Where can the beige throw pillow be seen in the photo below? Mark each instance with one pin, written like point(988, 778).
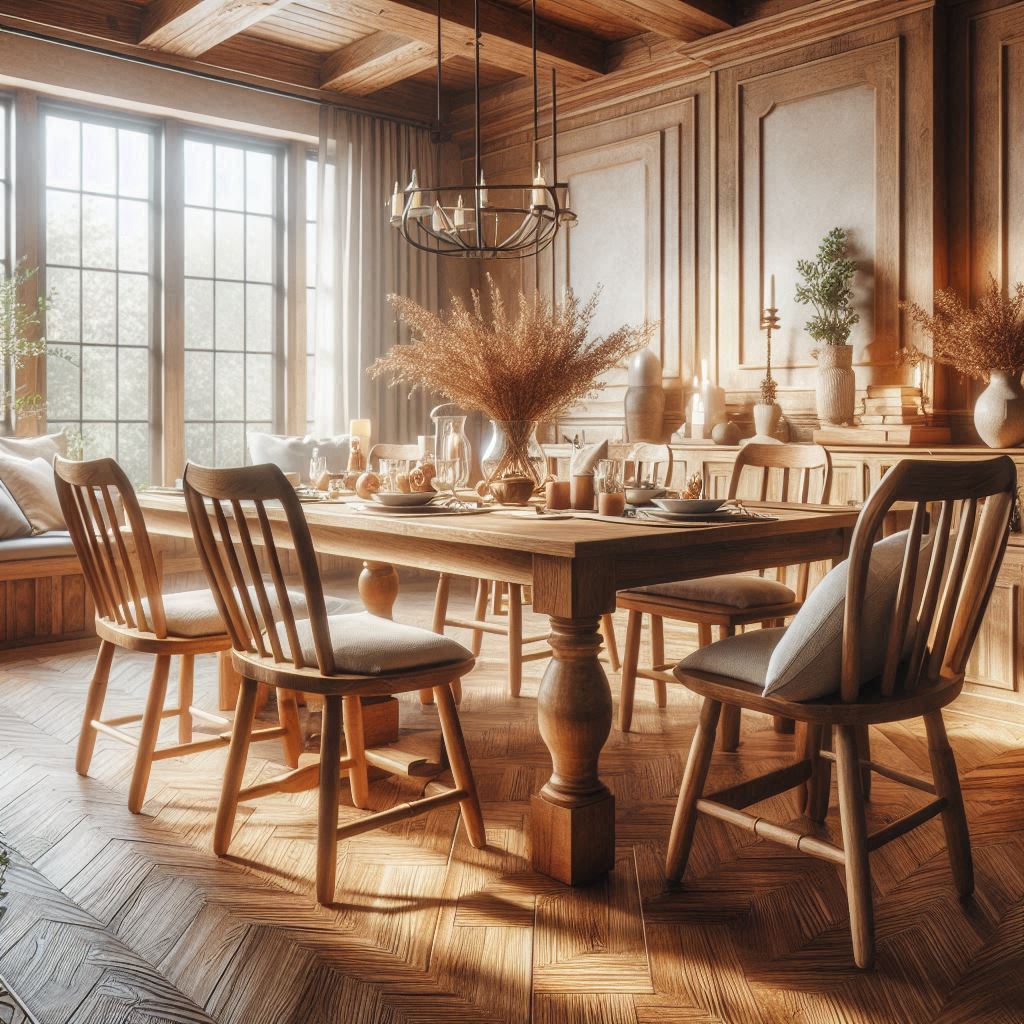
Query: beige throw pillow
point(12, 523)
point(30, 483)
point(43, 447)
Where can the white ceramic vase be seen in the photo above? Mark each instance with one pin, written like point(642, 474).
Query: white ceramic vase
point(836, 395)
point(766, 418)
point(999, 411)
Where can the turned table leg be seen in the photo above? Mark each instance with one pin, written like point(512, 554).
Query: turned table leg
point(573, 816)
point(378, 590)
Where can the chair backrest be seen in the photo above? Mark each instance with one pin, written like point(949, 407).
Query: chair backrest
point(968, 539)
point(649, 462)
point(214, 497)
point(810, 461)
point(117, 561)
point(391, 451)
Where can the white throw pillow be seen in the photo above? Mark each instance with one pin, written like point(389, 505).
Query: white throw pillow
point(43, 447)
point(291, 454)
point(807, 661)
point(13, 523)
point(30, 483)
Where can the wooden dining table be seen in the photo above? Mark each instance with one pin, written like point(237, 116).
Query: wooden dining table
point(575, 567)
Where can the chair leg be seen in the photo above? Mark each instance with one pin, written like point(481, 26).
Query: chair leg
point(228, 682)
point(658, 658)
point(483, 590)
point(515, 639)
point(186, 686)
point(444, 582)
point(610, 643)
point(630, 660)
point(807, 743)
point(292, 741)
point(355, 747)
point(820, 782)
point(234, 769)
point(864, 747)
point(855, 846)
point(330, 790)
point(684, 822)
point(462, 773)
point(729, 729)
point(954, 820)
point(150, 732)
point(498, 599)
point(93, 707)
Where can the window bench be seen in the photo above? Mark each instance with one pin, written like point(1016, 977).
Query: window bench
point(43, 597)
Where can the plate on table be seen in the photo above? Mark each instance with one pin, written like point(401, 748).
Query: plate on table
point(689, 506)
point(403, 499)
point(415, 510)
point(707, 518)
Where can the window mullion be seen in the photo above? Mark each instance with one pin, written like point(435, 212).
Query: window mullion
point(174, 303)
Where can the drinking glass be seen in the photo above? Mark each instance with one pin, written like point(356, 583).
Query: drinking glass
point(446, 478)
point(608, 476)
point(389, 471)
point(317, 467)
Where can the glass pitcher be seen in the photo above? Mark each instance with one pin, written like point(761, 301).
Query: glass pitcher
point(450, 441)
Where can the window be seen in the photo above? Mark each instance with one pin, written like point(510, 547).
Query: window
point(101, 267)
point(312, 247)
point(5, 238)
point(234, 247)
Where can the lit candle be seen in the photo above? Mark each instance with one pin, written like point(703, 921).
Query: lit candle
point(397, 202)
point(540, 192)
point(361, 429)
point(771, 293)
point(438, 220)
point(460, 214)
point(482, 191)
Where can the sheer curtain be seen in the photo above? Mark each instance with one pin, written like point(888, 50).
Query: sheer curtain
point(361, 260)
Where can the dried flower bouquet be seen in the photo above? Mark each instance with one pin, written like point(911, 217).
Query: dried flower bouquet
point(517, 365)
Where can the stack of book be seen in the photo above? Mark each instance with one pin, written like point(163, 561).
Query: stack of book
point(888, 404)
point(893, 414)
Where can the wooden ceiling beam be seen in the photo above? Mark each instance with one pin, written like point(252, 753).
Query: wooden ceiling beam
point(675, 19)
point(505, 34)
point(189, 28)
point(375, 62)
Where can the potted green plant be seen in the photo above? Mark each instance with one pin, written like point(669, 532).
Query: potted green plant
point(828, 288)
point(21, 339)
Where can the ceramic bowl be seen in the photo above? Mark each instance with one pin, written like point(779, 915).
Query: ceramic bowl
point(399, 499)
point(643, 495)
point(513, 490)
point(690, 506)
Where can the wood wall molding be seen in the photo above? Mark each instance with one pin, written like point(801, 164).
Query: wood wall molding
point(744, 260)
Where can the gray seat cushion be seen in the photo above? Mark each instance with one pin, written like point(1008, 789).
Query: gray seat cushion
point(368, 645)
point(744, 656)
point(194, 613)
point(55, 544)
point(740, 592)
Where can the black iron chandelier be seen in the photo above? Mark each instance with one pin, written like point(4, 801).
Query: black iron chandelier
point(481, 220)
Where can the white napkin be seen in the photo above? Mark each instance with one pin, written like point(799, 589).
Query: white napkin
point(584, 460)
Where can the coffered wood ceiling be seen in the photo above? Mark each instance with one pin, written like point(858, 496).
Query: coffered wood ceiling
point(381, 54)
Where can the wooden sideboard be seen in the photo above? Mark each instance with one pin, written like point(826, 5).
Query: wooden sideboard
point(996, 669)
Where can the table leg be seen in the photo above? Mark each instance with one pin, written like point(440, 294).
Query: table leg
point(378, 588)
point(573, 816)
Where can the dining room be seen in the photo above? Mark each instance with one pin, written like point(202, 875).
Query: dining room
point(509, 511)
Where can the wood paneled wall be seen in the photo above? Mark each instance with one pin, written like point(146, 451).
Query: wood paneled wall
point(902, 122)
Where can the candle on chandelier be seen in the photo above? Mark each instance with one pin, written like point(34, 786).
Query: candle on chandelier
point(482, 191)
point(397, 202)
point(540, 192)
point(460, 214)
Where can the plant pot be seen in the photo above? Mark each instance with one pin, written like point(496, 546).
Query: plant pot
point(836, 395)
point(513, 451)
point(767, 418)
point(999, 411)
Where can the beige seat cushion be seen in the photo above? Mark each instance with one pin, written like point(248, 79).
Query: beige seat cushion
point(30, 484)
point(56, 544)
point(368, 645)
point(193, 613)
point(740, 592)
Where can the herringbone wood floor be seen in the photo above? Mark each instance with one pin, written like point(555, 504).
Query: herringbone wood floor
point(116, 918)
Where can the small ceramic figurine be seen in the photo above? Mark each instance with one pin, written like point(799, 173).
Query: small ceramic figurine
point(356, 456)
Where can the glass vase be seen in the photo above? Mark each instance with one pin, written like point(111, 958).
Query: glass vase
point(513, 451)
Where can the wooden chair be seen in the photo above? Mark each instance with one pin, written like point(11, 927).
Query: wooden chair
point(649, 461)
point(312, 656)
point(383, 450)
point(133, 613)
point(938, 633)
point(798, 463)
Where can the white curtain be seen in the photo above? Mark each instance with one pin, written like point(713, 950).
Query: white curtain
point(361, 259)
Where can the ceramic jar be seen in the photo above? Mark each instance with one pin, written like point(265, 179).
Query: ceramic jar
point(836, 394)
point(766, 418)
point(999, 411)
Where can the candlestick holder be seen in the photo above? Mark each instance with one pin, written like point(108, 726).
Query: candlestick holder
point(767, 412)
